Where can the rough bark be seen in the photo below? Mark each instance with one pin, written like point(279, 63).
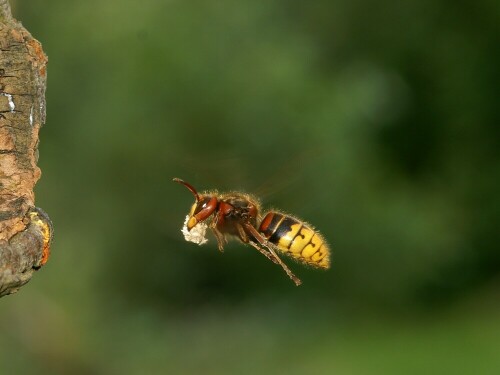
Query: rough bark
point(25, 231)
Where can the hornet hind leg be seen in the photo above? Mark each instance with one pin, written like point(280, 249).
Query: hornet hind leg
point(270, 253)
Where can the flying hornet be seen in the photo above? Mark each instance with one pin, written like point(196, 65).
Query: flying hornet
point(239, 215)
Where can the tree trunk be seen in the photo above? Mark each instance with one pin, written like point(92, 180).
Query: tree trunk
point(25, 231)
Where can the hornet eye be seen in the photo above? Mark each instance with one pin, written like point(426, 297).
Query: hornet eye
point(205, 208)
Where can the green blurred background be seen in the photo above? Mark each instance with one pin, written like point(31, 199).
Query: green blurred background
point(375, 121)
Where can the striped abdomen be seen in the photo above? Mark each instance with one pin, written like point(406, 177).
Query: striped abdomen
point(293, 237)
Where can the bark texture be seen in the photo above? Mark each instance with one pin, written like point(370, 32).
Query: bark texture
point(25, 231)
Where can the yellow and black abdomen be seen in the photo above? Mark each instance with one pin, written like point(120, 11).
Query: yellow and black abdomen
point(296, 239)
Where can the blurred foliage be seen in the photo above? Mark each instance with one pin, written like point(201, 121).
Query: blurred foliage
point(377, 122)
